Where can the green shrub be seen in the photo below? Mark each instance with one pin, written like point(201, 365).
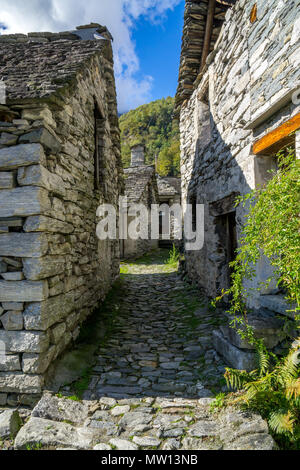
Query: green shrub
point(271, 229)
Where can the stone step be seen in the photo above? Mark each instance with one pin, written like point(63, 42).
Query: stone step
point(278, 304)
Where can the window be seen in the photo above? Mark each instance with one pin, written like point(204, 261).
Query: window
point(193, 203)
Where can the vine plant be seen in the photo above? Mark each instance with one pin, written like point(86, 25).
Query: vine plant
point(271, 229)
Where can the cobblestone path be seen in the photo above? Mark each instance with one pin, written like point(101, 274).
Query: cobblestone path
point(153, 380)
point(161, 342)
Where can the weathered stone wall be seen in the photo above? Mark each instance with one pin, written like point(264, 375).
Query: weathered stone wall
point(53, 269)
point(244, 92)
point(141, 188)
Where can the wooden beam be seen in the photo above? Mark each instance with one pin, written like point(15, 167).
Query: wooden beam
point(277, 139)
point(208, 31)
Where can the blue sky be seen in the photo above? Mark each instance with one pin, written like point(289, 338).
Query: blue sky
point(158, 48)
point(147, 37)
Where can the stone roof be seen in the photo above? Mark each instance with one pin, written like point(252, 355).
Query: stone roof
point(37, 65)
point(192, 43)
point(136, 180)
point(168, 186)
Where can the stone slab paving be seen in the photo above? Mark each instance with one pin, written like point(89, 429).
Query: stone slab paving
point(152, 383)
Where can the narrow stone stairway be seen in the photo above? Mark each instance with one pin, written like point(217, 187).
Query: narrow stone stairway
point(154, 376)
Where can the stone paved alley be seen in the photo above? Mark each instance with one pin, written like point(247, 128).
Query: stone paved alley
point(153, 379)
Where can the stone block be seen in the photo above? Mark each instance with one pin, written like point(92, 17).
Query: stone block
point(23, 291)
point(16, 382)
point(23, 245)
point(16, 306)
point(21, 155)
point(52, 434)
point(10, 424)
point(41, 268)
point(17, 276)
point(9, 362)
point(37, 363)
point(8, 139)
point(24, 202)
point(44, 137)
point(41, 223)
point(7, 180)
point(265, 327)
point(60, 409)
point(41, 316)
point(24, 341)
point(12, 321)
point(37, 175)
point(3, 267)
point(3, 399)
point(236, 358)
point(278, 304)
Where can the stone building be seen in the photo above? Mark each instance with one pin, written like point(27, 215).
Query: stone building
point(140, 188)
point(169, 192)
point(59, 159)
point(238, 104)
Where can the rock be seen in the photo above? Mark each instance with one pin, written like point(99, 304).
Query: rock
point(266, 327)
point(3, 399)
point(23, 245)
point(40, 223)
point(146, 441)
point(50, 434)
point(10, 424)
point(16, 382)
point(192, 443)
point(278, 304)
point(134, 418)
point(102, 447)
point(236, 423)
point(36, 269)
point(23, 202)
point(24, 341)
point(203, 429)
point(237, 358)
point(41, 316)
point(23, 291)
point(206, 401)
point(60, 409)
point(122, 444)
point(9, 362)
point(171, 444)
point(253, 442)
point(176, 432)
point(21, 155)
point(170, 365)
point(120, 410)
point(43, 137)
point(107, 403)
point(13, 306)
point(7, 180)
point(37, 175)
point(18, 276)
point(12, 321)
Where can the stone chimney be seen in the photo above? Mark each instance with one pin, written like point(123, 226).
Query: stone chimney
point(138, 155)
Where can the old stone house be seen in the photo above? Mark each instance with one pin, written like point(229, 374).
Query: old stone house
point(140, 188)
point(238, 105)
point(59, 159)
point(169, 192)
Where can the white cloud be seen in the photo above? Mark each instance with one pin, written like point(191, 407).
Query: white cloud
point(119, 16)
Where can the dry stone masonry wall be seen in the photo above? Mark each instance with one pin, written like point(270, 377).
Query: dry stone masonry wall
point(53, 269)
point(243, 92)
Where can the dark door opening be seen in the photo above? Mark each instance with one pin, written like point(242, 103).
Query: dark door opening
point(227, 234)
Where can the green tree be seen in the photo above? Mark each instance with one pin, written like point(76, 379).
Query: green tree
point(153, 125)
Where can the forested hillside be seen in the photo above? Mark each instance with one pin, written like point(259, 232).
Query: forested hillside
point(152, 124)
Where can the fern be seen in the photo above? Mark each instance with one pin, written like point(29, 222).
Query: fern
point(282, 422)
